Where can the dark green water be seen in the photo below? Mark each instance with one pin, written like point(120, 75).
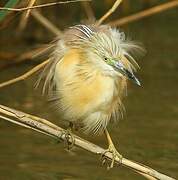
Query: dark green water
point(148, 133)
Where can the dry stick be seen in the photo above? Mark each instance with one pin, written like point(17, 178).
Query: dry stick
point(24, 19)
point(88, 10)
point(24, 76)
point(42, 5)
point(145, 13)
point(146, 176)
point(48, 128)
point(46, 23)
point(31, 3)
point(9, 114)
point(108, 13)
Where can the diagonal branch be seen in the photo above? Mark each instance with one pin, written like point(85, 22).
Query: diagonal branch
point(144, 13)
point(46, 23)
point(26, 14)
point(50, 129)
point(108, 13)
point(41, 5)
point(26, 75)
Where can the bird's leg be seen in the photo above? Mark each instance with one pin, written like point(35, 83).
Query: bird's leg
point(69, 138)
point(111, 149)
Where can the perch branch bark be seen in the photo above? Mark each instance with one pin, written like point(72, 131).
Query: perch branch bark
point(48, 128)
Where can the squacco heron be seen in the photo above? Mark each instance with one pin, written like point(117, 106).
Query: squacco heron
point(87, 76)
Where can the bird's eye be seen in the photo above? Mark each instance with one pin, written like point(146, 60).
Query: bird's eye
point(105, 58)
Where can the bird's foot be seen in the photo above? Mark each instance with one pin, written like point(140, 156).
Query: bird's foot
point(69, 139)
point(115, 154)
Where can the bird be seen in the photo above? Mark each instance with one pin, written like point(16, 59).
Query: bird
point(87, 76)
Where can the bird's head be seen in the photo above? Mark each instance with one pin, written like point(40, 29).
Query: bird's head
point(107, 48)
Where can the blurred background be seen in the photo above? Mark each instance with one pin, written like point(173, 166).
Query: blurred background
point(148, 132)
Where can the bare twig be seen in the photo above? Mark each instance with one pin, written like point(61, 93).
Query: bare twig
point(26, 75)
point(145, 13)
point(108, 13)
point(31, 3)
point(25, 15)
point(50, 129)
point(41, 5)
point(46, 23)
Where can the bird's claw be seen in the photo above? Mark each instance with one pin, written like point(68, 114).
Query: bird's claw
point(69, 139)
point(115, 154)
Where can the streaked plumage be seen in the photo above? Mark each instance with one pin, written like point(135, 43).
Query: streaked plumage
point(82, 75)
